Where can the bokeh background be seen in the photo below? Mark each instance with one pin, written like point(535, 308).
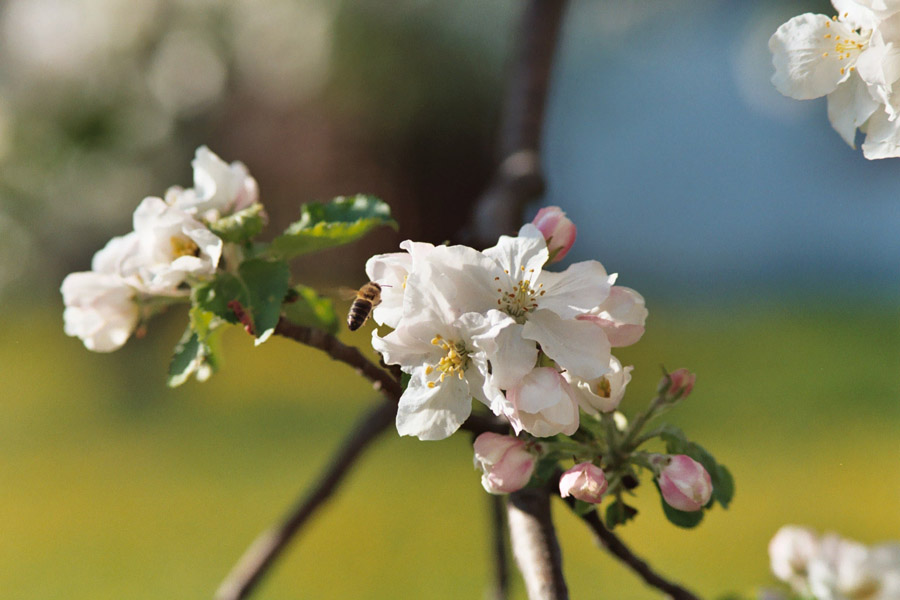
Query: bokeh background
point(766, 248)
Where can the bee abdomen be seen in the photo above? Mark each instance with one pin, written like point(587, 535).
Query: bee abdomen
point(359, 313)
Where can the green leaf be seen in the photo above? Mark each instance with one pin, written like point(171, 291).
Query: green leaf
point(340, 221)
point(240, 226)
point(681, 518)
point(213, 296)
point(619, 513)
point(582, 508)
point(723, 486)
point(266, 285)
point(193, 356)
point(308, 308)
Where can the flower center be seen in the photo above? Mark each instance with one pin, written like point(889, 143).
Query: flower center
point(522, 298)
point(604, 389)
point(845, 48)
point(183, 246)
point(452, 363)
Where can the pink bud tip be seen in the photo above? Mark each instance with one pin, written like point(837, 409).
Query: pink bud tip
point(681, 383)
point(557, 229)
point(585, 481)
point(685, 484)
point(506, 462)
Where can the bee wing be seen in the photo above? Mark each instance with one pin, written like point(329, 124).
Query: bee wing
point(346, 293)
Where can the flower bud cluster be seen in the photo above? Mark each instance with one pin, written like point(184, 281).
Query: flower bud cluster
point(532, 345)
point(170, 248)
point(829, 567)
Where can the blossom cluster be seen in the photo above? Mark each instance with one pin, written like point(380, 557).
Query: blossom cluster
point(171, 247)
point(830, 567)
point(852, 60)
point(495, 325)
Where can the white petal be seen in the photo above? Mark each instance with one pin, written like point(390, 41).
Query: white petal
point(806, 63)
point(455, 280)
point(433, 413)
point(576, 290)
point(849, 106)
point(577, 346)
point(524, 253)
point(882, 137)
point(409, 345)
point(512, 357)
point(113, 257)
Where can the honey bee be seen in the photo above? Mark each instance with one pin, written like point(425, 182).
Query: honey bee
point(367, 298)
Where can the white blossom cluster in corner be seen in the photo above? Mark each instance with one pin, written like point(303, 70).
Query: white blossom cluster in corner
point(830, 567)
point(170, 247)
point(853, 59)
point(496, 325)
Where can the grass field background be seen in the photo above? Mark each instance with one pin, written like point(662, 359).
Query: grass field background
point(114, 486)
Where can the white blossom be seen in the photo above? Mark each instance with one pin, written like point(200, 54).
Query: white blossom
point(604, 393)
point(543, 404)
point(390, 271)
point(100, 310)
point(220, 189)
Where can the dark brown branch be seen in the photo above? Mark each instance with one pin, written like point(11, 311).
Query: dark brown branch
point(617, 548)
point(268, 546)
point(534, 544)
point(381, 379)
point(519, 177)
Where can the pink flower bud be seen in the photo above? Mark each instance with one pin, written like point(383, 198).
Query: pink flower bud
point(680, 383)
point(684, 483)
point(558, 230)
point(584, 481)
point(506, 463)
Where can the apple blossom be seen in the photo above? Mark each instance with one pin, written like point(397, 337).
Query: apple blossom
point(585, 481)
point(100, 310)
point(604, 393)
point(506, 462)
point(219, 189)
point(790, 551)
point(391, 271)
point(543, 404)
point(684, 483)
point(558, 231)
point(853, 60)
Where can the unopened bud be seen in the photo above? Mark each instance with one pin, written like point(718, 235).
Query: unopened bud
point(684, 482)
point(558, 230)
point(506, 462)
point(677, 384)
point(585, 481)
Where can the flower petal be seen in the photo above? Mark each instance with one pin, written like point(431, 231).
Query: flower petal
point(577, 346)
point(806, 63)
point(526, 252)
point(576, 290)
point(433, 413)
point(882, 137)
point(849, 106)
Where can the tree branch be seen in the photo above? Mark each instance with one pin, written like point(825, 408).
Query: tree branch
point(534, 544)
point(519, 179)
point(500, 589)
point(257, 559)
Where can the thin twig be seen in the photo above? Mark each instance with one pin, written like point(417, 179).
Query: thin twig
point(617, 548)
point(519, 179)
point(268, 546)
point(534, 544)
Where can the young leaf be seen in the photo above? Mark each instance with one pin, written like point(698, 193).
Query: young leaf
point(194, 357)
point(321, 226)
point(214, 296)
point(240, 226)
point(308, 308)
point(266, 284)
point(619, 513)
point(723, 486)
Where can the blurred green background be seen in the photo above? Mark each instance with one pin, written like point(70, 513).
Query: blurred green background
point(115, 486)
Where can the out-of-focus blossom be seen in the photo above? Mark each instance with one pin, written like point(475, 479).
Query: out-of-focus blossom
point(585, 481)
point(220, 189)
point(558, 231)
point(506, 462)
point(604, 393)
point(543, 404)
point(834, 568)
point(684, 483)
point(100, 310)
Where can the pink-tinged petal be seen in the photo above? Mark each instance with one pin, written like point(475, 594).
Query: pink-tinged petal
point(543, 404)
point(605, 393)
point(685, 484)
point(558, 231)
point(807, 64)
point(585, 481)
point(576, 290)
point(506, 462)
point(580, 347)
